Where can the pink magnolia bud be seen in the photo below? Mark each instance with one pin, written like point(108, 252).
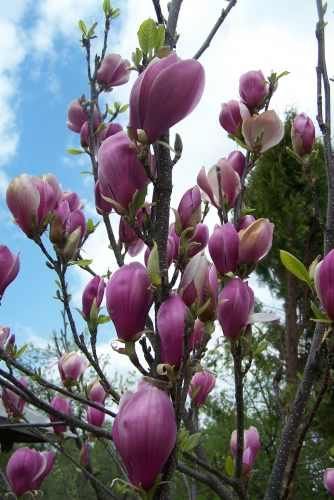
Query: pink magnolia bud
point(97, 393)
point(171, 323)
point(85, 133)
point(263, 132)
point(189, 209)
point(230, 117)
point(114, 71)
point(73, 200)
point(302, 134)
point(165, 93)
point(76, 116)
point(62, 405)
point(252, 445)
point(9, 268)
point(92, 296)
point(252, 439)
point(245, 221)
point(201, 385)
point(197, 336)
point(221, 184)
point(121, 175)
point(144, 433)
point(255, 241)
point(12, 402)
point(67, 229)
point(31, 199)
point(176, 242)
point(237, 161)
point(109, 130)
point(95, 417)
point(103, 207)
point(129, 238)
point(253, 89)
point(329, 481)
point(235, 304)
point(324, 283)
point(199, 239)
point(27, 468)
point(129, 299)
point(4, 337)
point(72, 366)
point(224, 248)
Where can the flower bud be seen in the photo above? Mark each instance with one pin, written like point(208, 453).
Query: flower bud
point(230, 117)
point(145, 443)
point(189, 209)
point(71, 366)
point(31, 199)
point(109, 130)
point(129, 238)
point(165, 93)
point(302, 134)
point(255, 241)
point(62, 405)
point(253, 89)
point(262, 132)
point(221, 184)
point(252, 445)
point(73, 200)
point(199, 240)
point(324, 283)
point(27, 468)
point(92, 297)
point(171, 323)
point(76, 116)
point(129, 299)
point(201, 385)
point(224, 248)
point(245, 221)
point(237, 160)
point(235, 304)
point(175, 244)
point(197, 335)
point(121, 175)
point(103, 207)
point(9, 268)
point(12, 402)
point(97, 393)
point(329, 481)
point(114, 71)
point(4, 336)
point(95, 417)
point(85, 132)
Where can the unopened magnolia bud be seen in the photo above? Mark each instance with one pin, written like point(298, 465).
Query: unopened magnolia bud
point(235, 304)
point(230, 117)
point(9, 268)
point(302, 134)
point(224, 248)
point(114, 71)
point(255, 241)
point(253, 89)
point(324, 283)
point(201, 385)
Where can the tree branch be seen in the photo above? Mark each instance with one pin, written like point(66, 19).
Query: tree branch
point(208, 479)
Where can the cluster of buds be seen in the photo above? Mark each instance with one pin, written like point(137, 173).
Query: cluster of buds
point(252, 446)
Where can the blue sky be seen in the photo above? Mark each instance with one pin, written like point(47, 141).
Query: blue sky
point(42, 70)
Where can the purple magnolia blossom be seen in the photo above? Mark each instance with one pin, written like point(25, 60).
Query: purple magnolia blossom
point(197, 335)
point(237, 161)
point(92, 296)
point(62, 405)
point(165, 93)
point(121, 175)
point(255, 241)
point(253, 89)
point(31, 200)
point(72, 366)
point(245, 221)
point(129, 299)
point(329, 481)
point(4, 337)
point(302, 134)
point(201, 385)
point(13, 403)
point(67, 229)
point(199, 240)
point(9, 268)
point(95, 417)
point(263, 132)
point(252, 445)
point(97, 393)
point(324, 283)
point(230, 117)
point(27, 468)
point(221, 184)
point(114, 71)
point(76, 116)
point(224, 248)
point(128, 236)
point(189, 210)
point(103, 207)
point(144, 433)
point(235, 304)
point(171, 323)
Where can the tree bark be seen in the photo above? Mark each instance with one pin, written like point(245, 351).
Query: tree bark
point(291, 330)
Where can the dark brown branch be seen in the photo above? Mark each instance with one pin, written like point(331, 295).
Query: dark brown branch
point(158, 11)
point(239, 399)
point(208, 479)
point(215, 28)
point(173, 16)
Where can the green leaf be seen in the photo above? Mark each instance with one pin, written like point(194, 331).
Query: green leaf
point(146, 35)
point(82, 262)
point(159, 37)
point(284, 73)
point(137, 57)
point(229, 466)
point(83, 27)
point(123, 108)
point(153, 267)
point(106, 7)
point(318, 313)
point(102, 319)
point(138, 200)
point(90, 226)
point(75, 151)
point(261, 346)
point(115, 13)
point(21, 351)
point(295, 266)
point(91, 31)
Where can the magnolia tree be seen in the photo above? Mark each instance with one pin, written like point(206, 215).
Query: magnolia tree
point(164, 312)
